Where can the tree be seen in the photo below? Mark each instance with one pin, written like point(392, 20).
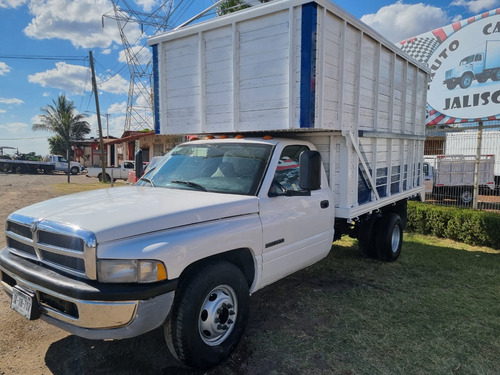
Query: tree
point(231, 6)
point(57, 146)
point(61, 118)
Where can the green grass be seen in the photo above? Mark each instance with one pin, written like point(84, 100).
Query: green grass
point(434, 311)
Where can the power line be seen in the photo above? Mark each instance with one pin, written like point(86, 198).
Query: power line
point(40, 57)
point(21, 139)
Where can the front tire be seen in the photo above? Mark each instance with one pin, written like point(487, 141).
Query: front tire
point(389, 237)
point(209, 315)
point(74, 170)
point(466, 81)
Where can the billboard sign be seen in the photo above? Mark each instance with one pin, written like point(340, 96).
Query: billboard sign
point(464, 59)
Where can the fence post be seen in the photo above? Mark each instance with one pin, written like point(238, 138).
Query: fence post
point(476, 165)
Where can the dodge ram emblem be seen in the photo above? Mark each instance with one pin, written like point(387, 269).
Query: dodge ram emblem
point(34, 226)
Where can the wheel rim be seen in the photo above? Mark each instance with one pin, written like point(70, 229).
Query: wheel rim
point(396, 234)
point(467, 81)
point(466, 197)
point(218, 313)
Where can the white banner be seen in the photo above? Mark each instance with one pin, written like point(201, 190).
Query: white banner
point(464, 59)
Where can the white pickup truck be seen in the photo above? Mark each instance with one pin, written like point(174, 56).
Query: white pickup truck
point(115, 173)
point(61, 164)
point(306, 149)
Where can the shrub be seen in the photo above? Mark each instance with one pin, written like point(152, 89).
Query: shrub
point(472, 227)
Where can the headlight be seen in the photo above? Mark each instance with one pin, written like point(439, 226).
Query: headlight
point(130, 271)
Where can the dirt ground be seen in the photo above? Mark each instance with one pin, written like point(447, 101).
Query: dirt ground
point(35, 347)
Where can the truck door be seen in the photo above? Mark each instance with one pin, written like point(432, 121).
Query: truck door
point(478, 65)
point(297, 229)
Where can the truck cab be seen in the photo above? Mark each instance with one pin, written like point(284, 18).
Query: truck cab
point(470, 68)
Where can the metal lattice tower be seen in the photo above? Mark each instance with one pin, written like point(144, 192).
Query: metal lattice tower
point(140, 100)
point(139, 115)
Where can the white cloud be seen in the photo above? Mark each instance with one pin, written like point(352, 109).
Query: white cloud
point(118, 108)
point(477, 6)
point(74, 79)
point(401, 21)
point(15, 128)
point(114, 85)
point(11, 101)
point(4, 68)
point(147, 5)
point(140, 55)
point(11, 3)
point(116, 125)
point(80, 22)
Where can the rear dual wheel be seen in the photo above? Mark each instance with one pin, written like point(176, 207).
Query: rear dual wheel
point(389, 237)
point(381, 237)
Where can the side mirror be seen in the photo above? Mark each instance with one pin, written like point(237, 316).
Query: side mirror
point(138, 164)
point(310, 170)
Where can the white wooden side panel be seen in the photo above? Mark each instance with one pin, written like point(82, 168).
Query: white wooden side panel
point(368, 84)
point(245, 75)
point(263, 72)
point(181, 88)
point(332, 29)
point(219, 92)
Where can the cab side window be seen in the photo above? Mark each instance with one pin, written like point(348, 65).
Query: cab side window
point(286, 176)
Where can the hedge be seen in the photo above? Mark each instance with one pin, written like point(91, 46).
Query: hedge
point(473, 227)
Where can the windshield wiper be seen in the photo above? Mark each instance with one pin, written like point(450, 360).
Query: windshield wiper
point(190, 184)
point(148, 181)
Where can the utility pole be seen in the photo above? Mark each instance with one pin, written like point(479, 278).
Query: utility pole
point(475, 196)
point(101, 142)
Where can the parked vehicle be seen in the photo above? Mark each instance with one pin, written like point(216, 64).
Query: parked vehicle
point(115, 173)
point(50, 164)
point(61, 164)
point(452, 176)
point(480, 66)
point(319, 126)
point(466, 143)
point(132, 176)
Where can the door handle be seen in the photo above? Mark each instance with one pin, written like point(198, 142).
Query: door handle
point(324, 204)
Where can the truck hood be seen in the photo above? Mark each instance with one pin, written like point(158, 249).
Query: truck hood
point(128, 211)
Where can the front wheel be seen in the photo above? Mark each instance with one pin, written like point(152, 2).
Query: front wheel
point(389, 237)
point(75, 170)
point(466, 81)
point(209, 315)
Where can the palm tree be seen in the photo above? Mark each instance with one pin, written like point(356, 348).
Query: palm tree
point(61, 118)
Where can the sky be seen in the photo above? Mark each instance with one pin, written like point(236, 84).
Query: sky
point(45, 44)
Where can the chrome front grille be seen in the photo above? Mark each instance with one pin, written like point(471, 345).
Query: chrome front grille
point(57, 245)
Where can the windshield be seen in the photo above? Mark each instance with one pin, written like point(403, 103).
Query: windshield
point(233, 168)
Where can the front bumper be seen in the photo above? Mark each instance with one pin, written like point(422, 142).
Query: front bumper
point(87, 308)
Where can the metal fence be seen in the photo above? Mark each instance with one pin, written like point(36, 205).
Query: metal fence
point(462, 166)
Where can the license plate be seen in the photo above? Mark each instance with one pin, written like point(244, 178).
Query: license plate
point(24, 302)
